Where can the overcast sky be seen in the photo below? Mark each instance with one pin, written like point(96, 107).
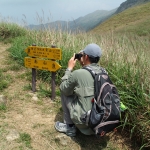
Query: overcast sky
point(36, 11)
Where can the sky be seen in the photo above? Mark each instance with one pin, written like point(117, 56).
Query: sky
point(44, 11)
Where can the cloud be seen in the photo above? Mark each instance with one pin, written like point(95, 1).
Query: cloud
point(23, 2)
point(54, 9)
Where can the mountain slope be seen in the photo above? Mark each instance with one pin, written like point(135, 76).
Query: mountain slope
point(130, 3)
point(91, 20)
point(135, 19)
point(83, 23)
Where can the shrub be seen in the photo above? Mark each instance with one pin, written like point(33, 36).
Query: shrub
point(9, 31)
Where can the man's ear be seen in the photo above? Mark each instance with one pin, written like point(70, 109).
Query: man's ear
point(87, 57)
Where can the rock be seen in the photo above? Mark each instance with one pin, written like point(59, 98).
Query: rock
point(35, 98)
point(3, 99)
point(32, 93)
point(63, 139)
point(13, 135)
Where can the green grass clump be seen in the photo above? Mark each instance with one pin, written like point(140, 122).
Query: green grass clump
point(8, 31)
point(5, 80)
point(17, 49)
point(26, 139)
point(2, 107)
point(44, 90)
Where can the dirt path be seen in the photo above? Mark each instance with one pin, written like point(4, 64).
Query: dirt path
point(3, 53)
point(34, 118)
point(23, 114)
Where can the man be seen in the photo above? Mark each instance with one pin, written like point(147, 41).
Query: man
point(77, 91)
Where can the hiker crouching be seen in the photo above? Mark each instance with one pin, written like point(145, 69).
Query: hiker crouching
point(77, 91)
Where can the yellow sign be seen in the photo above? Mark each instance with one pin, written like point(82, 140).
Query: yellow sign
point(44, 52)
point(41, 64)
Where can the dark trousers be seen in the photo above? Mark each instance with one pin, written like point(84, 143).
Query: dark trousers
point(66, 104)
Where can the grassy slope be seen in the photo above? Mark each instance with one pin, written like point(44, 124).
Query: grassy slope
point(34, 119)
point(136, 20)
point(129, 71)
point(91, 20)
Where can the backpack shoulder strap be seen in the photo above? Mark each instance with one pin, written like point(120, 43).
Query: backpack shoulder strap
point(93, 73)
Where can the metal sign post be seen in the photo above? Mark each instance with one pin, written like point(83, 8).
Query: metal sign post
point(33, 80)
point(53, 82)
point(53, 85)
point(33, 77)
point(43, 58)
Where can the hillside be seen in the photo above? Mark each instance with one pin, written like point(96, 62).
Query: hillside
point(32, 115)
point(89, 21)
point(84, 23)
point(130, 3)
point(135, 19)
point(27, 120)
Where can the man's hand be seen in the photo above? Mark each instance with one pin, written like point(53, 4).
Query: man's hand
point(72, 62)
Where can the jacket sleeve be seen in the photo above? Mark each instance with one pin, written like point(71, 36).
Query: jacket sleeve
point(68, 83)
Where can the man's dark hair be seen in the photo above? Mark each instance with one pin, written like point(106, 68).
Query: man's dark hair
point(94, 59)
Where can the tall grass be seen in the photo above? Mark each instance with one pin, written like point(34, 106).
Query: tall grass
point(126, 58)
point(8, 31)
point(127, 61)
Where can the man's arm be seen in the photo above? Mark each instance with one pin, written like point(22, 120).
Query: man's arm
point(68, 80)
point(68, 85)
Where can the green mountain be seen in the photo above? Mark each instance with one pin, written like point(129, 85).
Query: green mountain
point(135, 19)
point(91, 20)
point(83, 23)
point(123, 17)
point(130, 3)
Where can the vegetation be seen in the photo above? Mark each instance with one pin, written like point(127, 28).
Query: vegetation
point(4, 80)
point(25, 137)
point(10, 30)
point(134, 20)
point(125, 57)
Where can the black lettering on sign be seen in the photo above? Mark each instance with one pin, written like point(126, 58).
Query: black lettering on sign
point(35, 62)
point(45, 63)
point(44, 56)
point(53, 66)
point(28, 50)
point(45, 68)
point(36, 66)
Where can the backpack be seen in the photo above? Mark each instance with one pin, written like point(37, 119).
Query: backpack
point(104, 116)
